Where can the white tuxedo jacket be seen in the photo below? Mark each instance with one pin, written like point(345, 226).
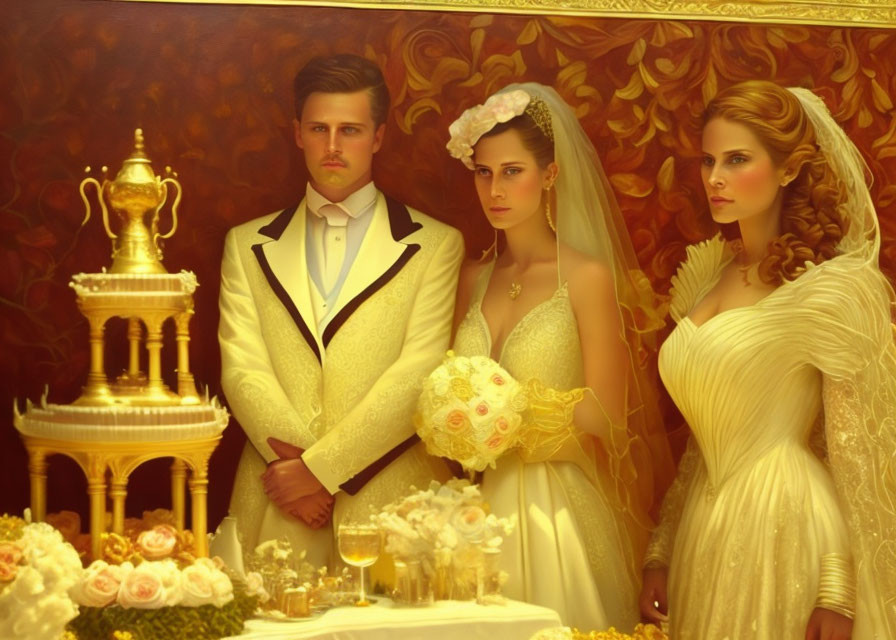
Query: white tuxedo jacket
point(347, 396)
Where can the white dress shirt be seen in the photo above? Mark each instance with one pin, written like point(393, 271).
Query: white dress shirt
point(334, 235)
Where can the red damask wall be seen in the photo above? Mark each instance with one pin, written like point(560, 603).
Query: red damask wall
point(210, 86)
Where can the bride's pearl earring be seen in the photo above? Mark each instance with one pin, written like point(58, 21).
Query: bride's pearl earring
point(547, 209)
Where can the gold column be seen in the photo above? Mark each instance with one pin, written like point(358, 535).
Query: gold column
point(37, 470)
point(97, 384)
point(198, 499)
point(135, 332)
point(96, 490)
point(178, 495)
point(154, 349)
point(118, 492)
point(186, 386)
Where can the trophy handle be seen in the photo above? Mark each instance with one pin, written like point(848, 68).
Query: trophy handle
point(99, 195)
point(163, 236)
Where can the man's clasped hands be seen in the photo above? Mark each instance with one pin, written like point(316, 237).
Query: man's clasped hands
point(293, 488)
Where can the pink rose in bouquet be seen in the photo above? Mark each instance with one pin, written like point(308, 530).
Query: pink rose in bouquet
point(100, 584)
point(8, 571)
point(10, 553)
point(158, 542)
point(142, 587)
point(204, 583)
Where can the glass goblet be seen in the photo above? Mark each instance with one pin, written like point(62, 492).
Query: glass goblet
point(359, 546)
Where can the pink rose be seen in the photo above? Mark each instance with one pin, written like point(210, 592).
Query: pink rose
point(8, 571)
point(196, 581)
point(142, 589)
point(502, 425)
point(10, 553)
point(457, 420)
point(100, 585)
point(481, 409)
point(494, 442)
point(158, 542)
point(203, 583)
point(498, 379)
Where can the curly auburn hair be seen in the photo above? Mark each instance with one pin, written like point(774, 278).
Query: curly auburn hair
point(812, 224)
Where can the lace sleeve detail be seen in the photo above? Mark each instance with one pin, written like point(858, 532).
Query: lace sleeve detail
point(860, 425)
point(659, 549)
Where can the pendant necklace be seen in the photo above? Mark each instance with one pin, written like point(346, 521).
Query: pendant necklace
point(515, 289)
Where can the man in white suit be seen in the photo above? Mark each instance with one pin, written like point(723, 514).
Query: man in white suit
point(332, 313)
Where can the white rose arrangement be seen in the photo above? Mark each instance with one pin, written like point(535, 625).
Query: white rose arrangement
point(37, 569)
point(470, 410)
point(445, 525)
point(149, 583)
point(162, 600)
point(153, 585)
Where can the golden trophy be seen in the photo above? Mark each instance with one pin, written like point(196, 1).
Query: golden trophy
point(117, 425)
point(136, 192)
point(137, 287)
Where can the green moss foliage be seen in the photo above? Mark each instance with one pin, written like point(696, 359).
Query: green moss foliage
point(168, 623)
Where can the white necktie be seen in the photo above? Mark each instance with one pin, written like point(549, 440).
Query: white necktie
point(334, 238)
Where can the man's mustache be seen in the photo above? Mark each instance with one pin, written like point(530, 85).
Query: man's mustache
point(334, 158)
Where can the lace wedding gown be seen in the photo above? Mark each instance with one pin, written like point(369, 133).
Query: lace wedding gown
point(567, 552)
point(755, 507)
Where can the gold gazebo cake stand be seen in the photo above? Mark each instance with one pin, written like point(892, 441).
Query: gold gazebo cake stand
point(115, 426)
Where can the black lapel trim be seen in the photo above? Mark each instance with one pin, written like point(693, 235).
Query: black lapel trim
point(274, 230)
point(354, 484)
point(400, 220)
point(401, 225)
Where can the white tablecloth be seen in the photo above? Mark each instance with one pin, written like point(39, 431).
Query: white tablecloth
point(384, 621)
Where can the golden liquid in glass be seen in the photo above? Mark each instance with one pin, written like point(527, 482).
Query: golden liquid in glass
point(359, 546)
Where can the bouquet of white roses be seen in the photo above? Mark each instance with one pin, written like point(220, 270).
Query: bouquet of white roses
point(37, 568)
point(470, 410)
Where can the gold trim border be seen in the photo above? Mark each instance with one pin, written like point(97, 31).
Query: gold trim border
point(854, 13)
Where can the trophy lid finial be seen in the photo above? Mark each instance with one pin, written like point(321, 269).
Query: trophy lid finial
point(139, 152)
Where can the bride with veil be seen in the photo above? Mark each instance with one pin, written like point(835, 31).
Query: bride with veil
point(557, 307)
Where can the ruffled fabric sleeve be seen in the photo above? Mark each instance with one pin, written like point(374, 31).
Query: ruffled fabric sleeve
point(845, 306)
point(697, 275)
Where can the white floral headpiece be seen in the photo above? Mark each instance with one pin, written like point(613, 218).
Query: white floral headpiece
point(479, 120)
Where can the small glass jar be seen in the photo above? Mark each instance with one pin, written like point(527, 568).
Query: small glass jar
point(412, 586)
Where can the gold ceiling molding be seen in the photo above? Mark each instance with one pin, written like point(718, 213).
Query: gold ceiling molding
point(858, 13)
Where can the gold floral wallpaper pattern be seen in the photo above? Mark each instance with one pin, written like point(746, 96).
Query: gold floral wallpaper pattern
point(210, 86)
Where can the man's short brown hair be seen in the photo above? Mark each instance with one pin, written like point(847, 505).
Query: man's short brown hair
point(342, 73)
